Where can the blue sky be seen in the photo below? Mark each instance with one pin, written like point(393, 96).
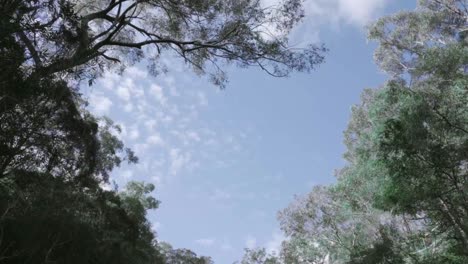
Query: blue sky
point(224, 162)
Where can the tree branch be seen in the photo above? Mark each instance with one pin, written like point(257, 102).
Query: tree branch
point(31, 49)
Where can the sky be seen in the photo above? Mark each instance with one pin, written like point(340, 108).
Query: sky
point(224, 162)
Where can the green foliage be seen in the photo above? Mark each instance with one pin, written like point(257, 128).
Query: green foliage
point(414, 145)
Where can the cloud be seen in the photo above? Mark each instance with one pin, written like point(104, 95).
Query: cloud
point(100, 104)
point(360, 12)
point(162, 123)
point(136, 72)
point(158, 94)
point(206, 242)
point(127, 89)
point(134, 133)
point(330, 13)
point(141, 148)
point(155, 139)
point(123, 93)
point(150, 124)
point(355, 12)
point(187, 137)
point(109, 80)
point(178, 160)
point(250, 242)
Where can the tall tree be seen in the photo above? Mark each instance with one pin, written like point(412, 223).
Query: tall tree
point(420, 117)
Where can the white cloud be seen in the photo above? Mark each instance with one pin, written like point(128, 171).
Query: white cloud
point(123, 93)
point(150, 124)
point(187, 137)
point(359, 12)
point(136, 72)
point(158, 94)
point(155, 139)
point(160, 122)
point(100, 103)
point(334, 13)
point(135, 91)
point(354, 12)
point(178, 161)
point(109, 80)
point(134, 133)
point(250, 242)
point(140, 148)
point(206, 242)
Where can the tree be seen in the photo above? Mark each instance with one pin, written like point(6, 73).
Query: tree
point(181, 256)
point(259, 256)
point(420, 122)
point(408, 140)
point(402, 196)
point(338, 224)
point(44, 219)
point(86, 37)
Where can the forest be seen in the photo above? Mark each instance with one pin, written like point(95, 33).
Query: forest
point(401, 197)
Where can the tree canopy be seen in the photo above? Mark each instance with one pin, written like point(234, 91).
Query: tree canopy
point(87, 37)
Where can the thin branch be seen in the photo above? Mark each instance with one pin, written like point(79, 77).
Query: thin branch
point(30, 47)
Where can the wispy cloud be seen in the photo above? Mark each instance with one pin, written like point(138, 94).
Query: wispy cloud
point(163, 123)
point(178, 160)
point(321, 14)
point(100, 104)
point(158, 93)
point(155, 139)
point(359, 12)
